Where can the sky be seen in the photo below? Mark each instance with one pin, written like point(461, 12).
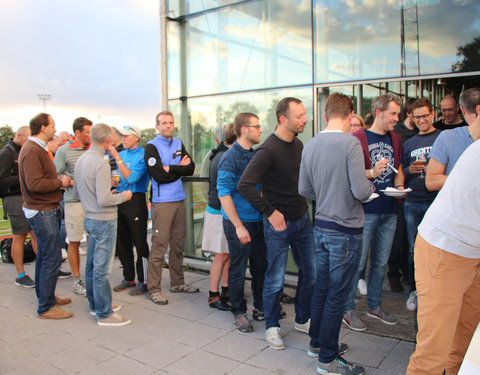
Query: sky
point(96, 58)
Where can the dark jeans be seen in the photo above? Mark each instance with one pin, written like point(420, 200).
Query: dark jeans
point(414, 213)
point(239, 257)
point(398, 260)
point(132, 231)
point(298, 236)
point(337, 258)
point(46, 226)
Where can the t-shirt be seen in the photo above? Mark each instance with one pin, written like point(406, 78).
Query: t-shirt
point(418, 144)
point(450, 145)
point(442, 126)
point(379, 147)
point(404, 132)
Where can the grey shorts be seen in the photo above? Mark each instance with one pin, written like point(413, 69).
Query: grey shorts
point(13, 208)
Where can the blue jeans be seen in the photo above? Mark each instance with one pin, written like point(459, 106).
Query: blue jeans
point(414, 213)
point(46, 226)
point(101, 245)
point(378, 235)
point(239, 257)
point(298, 236)
point(338, 255)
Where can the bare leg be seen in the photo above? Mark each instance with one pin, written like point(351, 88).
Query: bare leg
point(217, 271)
point(74, 257)
point(226, 267)
point(34, 241)
point(17, 251)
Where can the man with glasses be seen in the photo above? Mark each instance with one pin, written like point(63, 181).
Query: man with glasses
point(450, 145)
point(133, 214)
point(417, 202)
point(65, 161)
point(242, 223)
point(451, 114)
point(167, 161)
point(286, 222)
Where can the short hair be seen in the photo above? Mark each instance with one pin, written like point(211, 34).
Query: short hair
point(37, 122)
point(470, 99)
point(369, 120)
point(99, 133)
point(407, 108)
point(338, 106)
point(166, 113)
point(381, 102)
point(22, 130)
point(451, 97)
point(359, 118)
point(79, 123)
point(229, 135)
point(242, 119)
point(422, 102)
point(283, 106)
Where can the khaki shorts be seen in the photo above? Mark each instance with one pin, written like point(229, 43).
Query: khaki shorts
point(213, 236)
point(74, 216)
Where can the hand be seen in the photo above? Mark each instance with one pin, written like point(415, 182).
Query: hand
point(243, 235)
point(128, 194)
point(415, 169)
point(185, 160)
point(277, 220)
point(401, 196)
point(70, 182)
point(166, 168)
point(66, 181)
point(380, 167)
point(113, 151)
point(114, 182)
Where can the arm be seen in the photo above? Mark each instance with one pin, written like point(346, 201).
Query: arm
point(122, 168)
point(230, 210)
point(60, 160)
point(361, 187)
point(186, 167)
point(155, 166)
point(6, 165)
point(435, 177)
point(34, 176)
point(305, 187)
point(104, 196)
point(377, 170)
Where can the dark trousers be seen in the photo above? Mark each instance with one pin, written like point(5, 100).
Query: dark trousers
point(398, 260)
point(132, 231)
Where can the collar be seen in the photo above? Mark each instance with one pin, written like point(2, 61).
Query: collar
point(75, 144)
point(39, 142)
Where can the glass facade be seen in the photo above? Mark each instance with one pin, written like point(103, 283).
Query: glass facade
point(225, 57)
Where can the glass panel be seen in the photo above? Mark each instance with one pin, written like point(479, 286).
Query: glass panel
point(184, 7)
point(361, 39)
point(248, 46)
point(173, 56)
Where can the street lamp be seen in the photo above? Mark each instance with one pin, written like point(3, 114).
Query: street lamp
point(44, 98)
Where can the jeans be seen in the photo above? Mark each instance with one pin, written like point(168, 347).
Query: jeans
point(414, 213)
point(46, 226)
point(378, 235)
point(101, 244)
point(338, 255)
point(298, 236)
point(239, 256)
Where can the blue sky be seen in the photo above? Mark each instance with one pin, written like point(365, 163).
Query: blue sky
point(97, 58)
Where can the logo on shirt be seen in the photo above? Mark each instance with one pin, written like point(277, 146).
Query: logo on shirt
point(152, 161)
point(378, 151)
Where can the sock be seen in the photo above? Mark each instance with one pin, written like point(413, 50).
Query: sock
point(213, 294)
point(20, 275)
point(224, 291)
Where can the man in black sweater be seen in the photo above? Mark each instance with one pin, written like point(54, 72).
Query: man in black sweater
point(286, 222)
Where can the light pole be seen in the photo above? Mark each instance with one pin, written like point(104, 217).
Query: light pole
point(44, 98)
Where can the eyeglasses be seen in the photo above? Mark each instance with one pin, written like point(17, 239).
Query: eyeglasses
point(422, 117)
point(448, 109)
point(253, 126)
point(356, 125)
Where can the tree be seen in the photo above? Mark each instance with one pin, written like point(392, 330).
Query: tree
point(147, 135)
point(469, 55)
point(6, 133)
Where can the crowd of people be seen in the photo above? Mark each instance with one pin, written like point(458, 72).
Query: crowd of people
point(379, 191)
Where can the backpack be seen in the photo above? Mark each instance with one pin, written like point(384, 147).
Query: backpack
point(6, 249)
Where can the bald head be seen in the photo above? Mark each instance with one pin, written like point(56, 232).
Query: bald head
point(22, 135)
point(63, 137)
point(450, 110)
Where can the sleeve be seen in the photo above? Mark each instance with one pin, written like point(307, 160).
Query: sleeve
point(183, 170)
point(252, 174)
point(439, 149)
point(406, 160)
point(155, 166)
point(105, 197)
point(60, 160)
point(360, 186)
point(137, 169)
point(6, 162)
point(226, 177)
point(34, 175)
point(305, 187)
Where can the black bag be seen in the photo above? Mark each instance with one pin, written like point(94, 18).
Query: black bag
point(6, 248)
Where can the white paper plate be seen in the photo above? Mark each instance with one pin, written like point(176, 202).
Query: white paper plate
point(371, 198)
point(396, 193)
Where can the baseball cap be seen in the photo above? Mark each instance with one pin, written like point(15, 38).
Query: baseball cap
point(128, 130)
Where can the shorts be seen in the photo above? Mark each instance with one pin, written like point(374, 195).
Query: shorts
point(74, 216)
point(13, 207)
point(213, 236)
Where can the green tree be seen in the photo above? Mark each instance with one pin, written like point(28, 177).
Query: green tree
point(147, 135)
point(469, 55)
point(6, 133)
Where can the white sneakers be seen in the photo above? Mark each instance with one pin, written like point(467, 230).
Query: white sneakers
point(412, 301)
point(274, 340)
point(362, 287)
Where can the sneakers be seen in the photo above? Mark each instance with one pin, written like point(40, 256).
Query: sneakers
point(184, 288)
point(340, 366)
point(64, 275)
point(56, 313)
point(158, 298)
point(274, 340)
point(382, 315)
point(114, 320)
point(216, 302)
point(362, 287)
point(258, 315)
point(353, 321)
point(286, 299)
point(25, 281)
point(303, 327)
point(395, 285)
point(124, 285)
point(412, 301)
point(313, 352)
point(79, 287)
point(115, 308)
point(242, 323)
point(139, 289)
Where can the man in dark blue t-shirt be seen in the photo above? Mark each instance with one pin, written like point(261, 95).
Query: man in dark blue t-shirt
point(415, 154)
point(382, 150)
